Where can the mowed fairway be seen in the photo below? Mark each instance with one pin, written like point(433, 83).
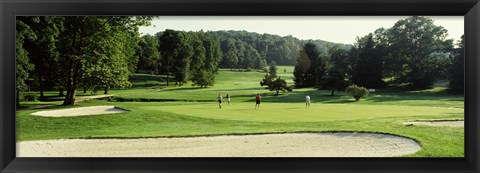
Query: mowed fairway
point(193, 111)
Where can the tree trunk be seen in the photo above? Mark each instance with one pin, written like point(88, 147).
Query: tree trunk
point(84, 89)
point(277, 93)
point(72, 82)
point(106, 90)
point(333, 92)
point(70, 97)
point(60, 93)
point(168, 79)
point(67, 100)
point(40, 82)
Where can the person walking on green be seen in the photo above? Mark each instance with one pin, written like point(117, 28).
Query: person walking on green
point(228, 98)
point(219, 98)
point(258, 99)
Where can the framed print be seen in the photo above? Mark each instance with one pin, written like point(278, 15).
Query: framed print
point(239, 86)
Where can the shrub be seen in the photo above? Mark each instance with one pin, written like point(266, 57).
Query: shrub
point(357, 91)
point(30, 97)
point(265, 70)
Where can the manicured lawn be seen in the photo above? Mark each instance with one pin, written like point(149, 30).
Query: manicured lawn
point(196, 113)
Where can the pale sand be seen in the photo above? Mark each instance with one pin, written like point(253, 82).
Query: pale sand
point(81, 111)
point(266, 145)
point(449, 123)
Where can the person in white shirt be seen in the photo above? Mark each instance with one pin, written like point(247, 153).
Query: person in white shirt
point(219, 98)
point(307, 100)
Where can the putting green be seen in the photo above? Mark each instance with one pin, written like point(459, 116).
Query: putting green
point(288, 112)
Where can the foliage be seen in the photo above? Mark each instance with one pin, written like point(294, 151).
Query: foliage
point(42, 51)
point(367, 70)
point(23, 65)
point(300, 71)
point(274, 83)
point(357, 92)
point(457, 70)
point(272, 70)
point(150, 56)
point(97, 51)
point(29, 97)
point(176, 53)
point(411, 49)
point(336, 70)
point(282, 50)
point(335, 81)
point(311, 65)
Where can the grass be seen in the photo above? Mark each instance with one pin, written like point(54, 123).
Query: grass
point(382, 112)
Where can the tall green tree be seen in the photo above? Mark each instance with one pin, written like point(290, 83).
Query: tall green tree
point(230, 57)
point(205, 74)
point(23, 66)
point(273, 69)
point(42, 51)
point(368, 64)
point(113, 63)
point(301, 67)
point(150, 56)
point(176, 53)
point(413, 43)
point(336, 70)
point(86, 41)
point(457, 70)
point(317, 65)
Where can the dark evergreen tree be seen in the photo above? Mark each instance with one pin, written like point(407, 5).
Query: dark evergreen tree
point(301, 67)
point(457, 71)
point(368, 65)
point(316, 67)
point(336, 73)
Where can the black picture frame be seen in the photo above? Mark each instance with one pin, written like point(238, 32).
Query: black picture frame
point(470, 9)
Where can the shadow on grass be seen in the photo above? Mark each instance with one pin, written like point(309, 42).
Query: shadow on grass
point(182, 88)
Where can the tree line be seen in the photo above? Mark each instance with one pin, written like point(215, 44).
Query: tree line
point(67, 53)
point(414, 52)
point(182, 55)
point(100, 52)
point(240, 49)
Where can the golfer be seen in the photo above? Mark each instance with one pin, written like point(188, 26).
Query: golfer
point(307, 101)
point(258, 99)
point(219, 98)
point(228, 98)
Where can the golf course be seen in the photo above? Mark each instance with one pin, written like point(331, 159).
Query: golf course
point(194, 112)
point(118, 86)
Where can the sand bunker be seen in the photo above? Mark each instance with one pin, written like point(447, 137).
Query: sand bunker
point(82, 111)
point(449, 123)
point(266, 145)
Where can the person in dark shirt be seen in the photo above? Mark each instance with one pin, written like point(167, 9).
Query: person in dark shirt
point(258, 99)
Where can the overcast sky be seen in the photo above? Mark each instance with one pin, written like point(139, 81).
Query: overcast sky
point(337, 29)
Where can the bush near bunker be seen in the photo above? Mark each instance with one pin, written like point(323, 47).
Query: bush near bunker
point(357, 91)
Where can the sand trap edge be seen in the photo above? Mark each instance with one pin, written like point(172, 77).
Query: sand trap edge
point(413, 145)
point(81, 111)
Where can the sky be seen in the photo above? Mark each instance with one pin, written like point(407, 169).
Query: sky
point(338, 29)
